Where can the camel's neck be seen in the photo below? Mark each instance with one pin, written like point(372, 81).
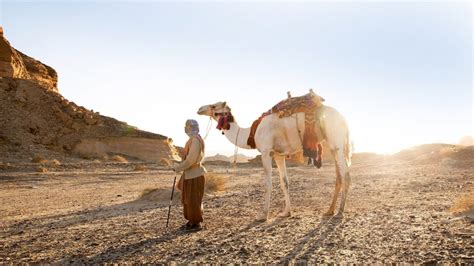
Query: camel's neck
point(238, 136)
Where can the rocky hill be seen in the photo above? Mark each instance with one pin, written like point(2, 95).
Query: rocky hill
point(461, 156)
point(36, 119)
point(241, 158)
point(15, 64)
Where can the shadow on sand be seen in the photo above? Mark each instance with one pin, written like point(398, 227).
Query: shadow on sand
point(312, 241)
point(36, 227)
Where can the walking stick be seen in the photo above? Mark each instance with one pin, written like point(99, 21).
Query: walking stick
point(171, 200)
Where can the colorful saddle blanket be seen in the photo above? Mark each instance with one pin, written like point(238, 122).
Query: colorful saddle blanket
point(308, 104)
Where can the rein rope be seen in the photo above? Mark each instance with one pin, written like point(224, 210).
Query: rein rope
point(208, 129)
point(224, 120)
point(236, 150)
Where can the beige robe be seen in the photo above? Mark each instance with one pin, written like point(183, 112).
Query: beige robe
point(191, 165)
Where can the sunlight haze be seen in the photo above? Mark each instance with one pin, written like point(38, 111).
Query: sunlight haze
point(400, 73)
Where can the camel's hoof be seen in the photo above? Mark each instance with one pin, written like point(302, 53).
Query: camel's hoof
point(284, 214)
point(339, 215)
point(328, 214)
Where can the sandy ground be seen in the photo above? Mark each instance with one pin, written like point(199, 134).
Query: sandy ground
point(93, 213)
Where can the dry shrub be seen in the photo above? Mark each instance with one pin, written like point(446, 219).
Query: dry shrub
point(215, 182)
point(41, 169)
point(4, 166)
point(54, 162)
point(119, 159)
point(38, 159)
point(140, 167)
point(165, 162)
point(148, 194)
point(463, 204)
point(159, 195)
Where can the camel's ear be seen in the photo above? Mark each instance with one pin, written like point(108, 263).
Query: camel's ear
point(225, 104)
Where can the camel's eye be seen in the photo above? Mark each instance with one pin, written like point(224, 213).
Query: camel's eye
point(213, 107)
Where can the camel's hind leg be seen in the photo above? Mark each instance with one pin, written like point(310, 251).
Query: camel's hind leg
point(267, 167)
point(343, 181)
point(346, 182)
point(332, 208)
point(346, 178)
point(284, 185)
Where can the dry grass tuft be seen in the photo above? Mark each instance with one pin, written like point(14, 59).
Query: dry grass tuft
point(215, 182)
point(165, 162)
point(119, 159)
point(140, 167)
point(38, 159)
point(41, 169)
point(159, 195)
point(54, 162)
point(4, 166)
point(465, 203)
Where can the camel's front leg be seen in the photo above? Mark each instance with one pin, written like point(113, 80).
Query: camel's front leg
point(280, 162)
point(267, 168)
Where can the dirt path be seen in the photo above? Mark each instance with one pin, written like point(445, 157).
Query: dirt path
point(395, 213)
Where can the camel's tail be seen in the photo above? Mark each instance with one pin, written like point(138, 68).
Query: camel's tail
point(348, 147)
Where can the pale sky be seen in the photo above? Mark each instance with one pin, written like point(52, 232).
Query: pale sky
point(400, 72)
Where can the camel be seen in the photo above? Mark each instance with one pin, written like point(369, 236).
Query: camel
point(278, 137)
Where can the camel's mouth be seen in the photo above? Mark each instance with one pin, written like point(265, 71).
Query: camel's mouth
point(204, 110)
point(201, 111)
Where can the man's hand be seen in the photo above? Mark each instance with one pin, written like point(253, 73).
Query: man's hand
point(175, 165)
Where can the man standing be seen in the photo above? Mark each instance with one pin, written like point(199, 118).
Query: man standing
point(192, 180)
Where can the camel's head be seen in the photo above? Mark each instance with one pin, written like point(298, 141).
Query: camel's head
point(219, 112)
point(213, 110)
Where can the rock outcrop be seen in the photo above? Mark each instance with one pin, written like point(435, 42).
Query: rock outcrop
point(34, 118)
point(14, 64)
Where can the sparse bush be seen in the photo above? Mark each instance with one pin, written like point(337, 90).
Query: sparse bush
point(160, 195)
point(41, 169)
point(464, 203)
point(4, 166)
point(38, 159)
point(165, 162)
point(140, 167)
point(129, 130)
point(119, 159)
point(215, 182)
point(54, 162)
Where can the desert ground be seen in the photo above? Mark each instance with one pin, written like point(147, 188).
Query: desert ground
point(93, 212)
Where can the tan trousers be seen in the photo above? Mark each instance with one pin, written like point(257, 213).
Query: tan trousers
point(191, 198)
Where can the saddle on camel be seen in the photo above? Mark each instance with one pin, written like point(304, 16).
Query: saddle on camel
point(309, 104)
